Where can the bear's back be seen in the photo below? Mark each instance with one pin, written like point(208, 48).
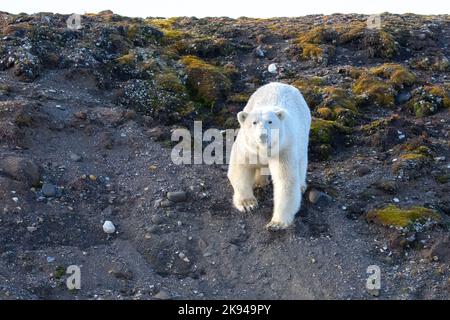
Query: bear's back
point(280, 95)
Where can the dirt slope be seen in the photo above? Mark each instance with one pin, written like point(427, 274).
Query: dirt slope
point(85, 120)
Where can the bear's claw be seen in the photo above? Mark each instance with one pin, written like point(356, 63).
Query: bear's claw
point(276, 225)
point(246, 205)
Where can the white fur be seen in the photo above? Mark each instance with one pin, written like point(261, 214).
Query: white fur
point(279, 141)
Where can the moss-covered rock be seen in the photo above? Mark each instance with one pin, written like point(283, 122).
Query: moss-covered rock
point(202, 46)
point(396, 74)
point(241, 98)
point(208, 84)
point(382, 44)
point(375, 89)
point(168, 28)
point(337, 104)
point(431, 63)
point(311, 90)
point(324, 137)
point(355, 35)
point(164, 96)
point(429, 99)
point(413, 160)
point(402, 218)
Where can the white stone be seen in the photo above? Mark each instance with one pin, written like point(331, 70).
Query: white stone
point(108, 227)
point(272, 68)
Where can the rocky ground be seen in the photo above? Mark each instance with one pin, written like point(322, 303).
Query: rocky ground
point(85, 123)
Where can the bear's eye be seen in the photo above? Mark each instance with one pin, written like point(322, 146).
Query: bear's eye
point(254, 122)
point(270, 122)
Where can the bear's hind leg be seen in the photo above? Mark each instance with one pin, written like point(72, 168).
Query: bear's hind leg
point(261, 180)
point(303, 170)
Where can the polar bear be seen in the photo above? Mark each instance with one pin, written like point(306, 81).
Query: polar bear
point(273, 137)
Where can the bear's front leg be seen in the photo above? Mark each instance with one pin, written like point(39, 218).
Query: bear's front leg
point(287, 198)
point(242, 178)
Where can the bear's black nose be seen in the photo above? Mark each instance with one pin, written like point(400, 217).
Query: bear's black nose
point(263, 137)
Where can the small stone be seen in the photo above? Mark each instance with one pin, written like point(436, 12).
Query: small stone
point(165, 203)
point(92, 177)
point(363, 170)
point(318, 198)
point(108, 227)
point(49, 190)
point(259, 52)
point(31, 229)
point(272, 68)
point(177, 196)
point(15, 199)
point(162, 295)
point(75, 157)
point(403, 97)
point(50, 259)
point(396, 200)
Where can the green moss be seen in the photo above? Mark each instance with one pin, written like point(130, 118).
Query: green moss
point(207, 83)
point(325, 113)
point(338, 104)
point(443, 178)
point(59, 272)
point(417, 148)
point(378, 43)
point(169, 81)
point(397, 75)
point(377, 90)
point(340, 97)
point(132, 31)
point(202, 46)
point(429, 100)
point(316, 35)
point(128, 58)
point(351, 32)
point(311, 92)
point(394, 216)
point(440, 92)
point(311, 51)
point(388, 47)
point(412, 156)
point(238, 98)
point(167, 26)
point(415, 151)
point(323, 131)
point(5, 88)
point(439, 63)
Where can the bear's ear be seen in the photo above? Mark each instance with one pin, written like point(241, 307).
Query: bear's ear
point(280, 114)
point(241, 117)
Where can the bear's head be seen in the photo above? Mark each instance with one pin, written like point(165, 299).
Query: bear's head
point(263, 129)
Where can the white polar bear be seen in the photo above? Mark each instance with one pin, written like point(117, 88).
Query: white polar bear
point(274, 134)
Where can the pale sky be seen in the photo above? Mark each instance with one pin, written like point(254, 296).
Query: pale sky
point(229, 8)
